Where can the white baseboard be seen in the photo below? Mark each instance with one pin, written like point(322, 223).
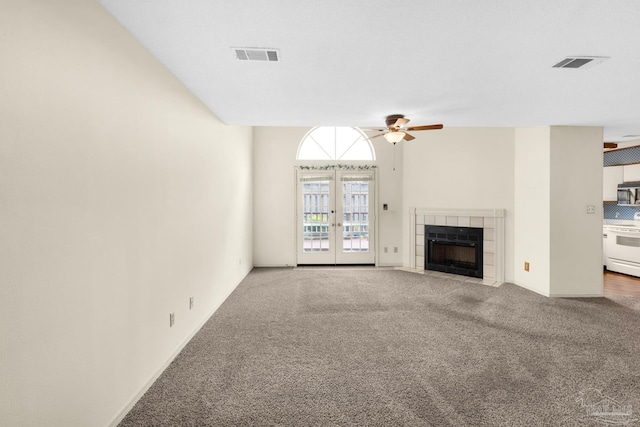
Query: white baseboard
point(273, 265)
point(123, 413)
point(522, 285)
point(576, 295)
point(385, 264)
point(551, 295)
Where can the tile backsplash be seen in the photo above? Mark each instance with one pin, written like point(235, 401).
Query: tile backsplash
point(626, 212)
point(625, 156)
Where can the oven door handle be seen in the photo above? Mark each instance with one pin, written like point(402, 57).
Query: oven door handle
point(625, 234)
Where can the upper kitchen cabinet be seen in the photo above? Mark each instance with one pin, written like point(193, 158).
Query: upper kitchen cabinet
point(611, 177)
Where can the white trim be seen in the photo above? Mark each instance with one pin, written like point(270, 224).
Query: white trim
point(536, 291)
point(346, 178)
point(576, 295)
point(495, 213)
point(363, 137)
point(549, 295)
point(356, 257)
point(500, 245)
point(274, 265)
point(389, 264)
point(336, 177)
point(316, 177)
point(412, 238)
point(376, 224)
point(296, 183)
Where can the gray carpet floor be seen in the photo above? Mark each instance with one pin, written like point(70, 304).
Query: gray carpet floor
point(305, 347)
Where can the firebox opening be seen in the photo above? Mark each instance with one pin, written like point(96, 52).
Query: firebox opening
point(456, 250)
point(454, 255)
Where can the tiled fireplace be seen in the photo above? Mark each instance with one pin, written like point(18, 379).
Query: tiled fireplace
point(490, 220)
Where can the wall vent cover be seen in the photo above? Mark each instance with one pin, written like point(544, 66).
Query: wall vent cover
point(256, 54)
point(580, 61)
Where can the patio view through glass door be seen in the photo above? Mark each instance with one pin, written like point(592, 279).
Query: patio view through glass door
point(335, 217)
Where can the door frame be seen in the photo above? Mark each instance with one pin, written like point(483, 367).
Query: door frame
point(374, 231)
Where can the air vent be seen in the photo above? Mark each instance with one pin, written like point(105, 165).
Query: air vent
point(580, 61)
point(256, 54)
point(631, 136)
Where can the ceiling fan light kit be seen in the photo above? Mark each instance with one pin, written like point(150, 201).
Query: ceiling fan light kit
point(394, 137)
point(397, 131)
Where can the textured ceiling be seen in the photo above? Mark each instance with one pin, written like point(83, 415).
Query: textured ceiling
point(347, 62)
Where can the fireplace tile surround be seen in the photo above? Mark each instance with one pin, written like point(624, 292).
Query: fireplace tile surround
point(490, 220)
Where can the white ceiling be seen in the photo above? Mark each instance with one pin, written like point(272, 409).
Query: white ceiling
point(350, 63)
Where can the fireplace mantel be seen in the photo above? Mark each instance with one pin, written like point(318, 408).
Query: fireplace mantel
point(490, 220)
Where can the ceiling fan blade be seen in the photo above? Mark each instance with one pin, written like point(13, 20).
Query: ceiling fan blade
point(429, 127)
point(400, 122)
point(375, 136)
point(408, 137)
point(373, 129)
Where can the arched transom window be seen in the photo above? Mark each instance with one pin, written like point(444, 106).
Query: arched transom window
point(335, 143)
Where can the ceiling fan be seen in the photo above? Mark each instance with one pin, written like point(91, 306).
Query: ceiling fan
point(396, 129)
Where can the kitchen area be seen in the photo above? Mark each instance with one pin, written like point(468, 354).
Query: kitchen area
point(621, 222)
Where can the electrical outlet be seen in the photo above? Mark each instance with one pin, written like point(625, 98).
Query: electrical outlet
point(172, 319)
point(240, 261)
point(591, 209)
point(395, 249)
point(526, 266)
point(386, 249)
point(190, 303)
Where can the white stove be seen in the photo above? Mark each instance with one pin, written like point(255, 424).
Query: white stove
point(623, 249)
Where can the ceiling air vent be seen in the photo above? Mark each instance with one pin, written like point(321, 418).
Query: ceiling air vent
point(256, 54)
point(580, 61)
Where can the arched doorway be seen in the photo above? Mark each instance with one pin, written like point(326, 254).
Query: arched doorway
point(335, 202)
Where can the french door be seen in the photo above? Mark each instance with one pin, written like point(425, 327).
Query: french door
point(335, 217)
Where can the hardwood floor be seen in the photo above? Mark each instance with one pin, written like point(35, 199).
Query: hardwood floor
point(621, 285)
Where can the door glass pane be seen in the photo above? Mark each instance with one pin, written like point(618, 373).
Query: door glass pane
point(355, 216)
point(315, 216)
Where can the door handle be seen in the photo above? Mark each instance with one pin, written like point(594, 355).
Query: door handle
point(333, 224)
point(339, 225)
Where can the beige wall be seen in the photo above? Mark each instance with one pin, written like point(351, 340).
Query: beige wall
point(275, 151)
point(559, 174)
point(461, 168)
point(120, 197)
point(576, 237)
point(533, 207)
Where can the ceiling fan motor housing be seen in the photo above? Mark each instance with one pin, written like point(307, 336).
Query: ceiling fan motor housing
point(391, 119)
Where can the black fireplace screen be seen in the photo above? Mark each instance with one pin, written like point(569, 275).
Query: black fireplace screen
point(456, 250)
